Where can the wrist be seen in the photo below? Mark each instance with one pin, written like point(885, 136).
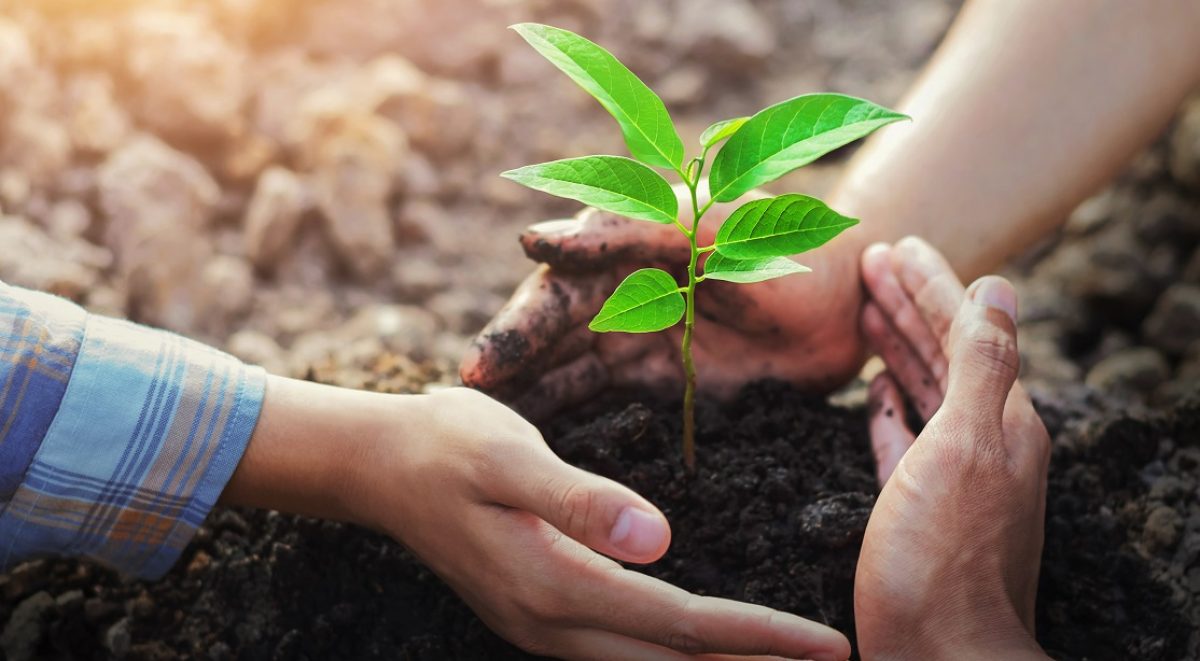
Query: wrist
point(316, 450)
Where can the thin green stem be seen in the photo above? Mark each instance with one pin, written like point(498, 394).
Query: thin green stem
point(689, 324)
point(707, 249)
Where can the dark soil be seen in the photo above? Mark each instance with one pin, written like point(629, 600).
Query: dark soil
point(774, 515)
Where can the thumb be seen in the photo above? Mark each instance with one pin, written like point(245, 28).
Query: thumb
point(984, 359)
point(593, 510)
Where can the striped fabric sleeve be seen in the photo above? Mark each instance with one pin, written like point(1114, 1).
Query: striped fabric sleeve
point(116, 439)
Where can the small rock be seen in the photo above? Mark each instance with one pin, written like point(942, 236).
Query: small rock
point(1184, 161)
point(36, 146)
point(69, 601)
point(1167, 217)
point(1169, 488)
point(1174, 322)
point(97, 610)
point(1109, 268)
point(1094, 213)
point(1191, 272)
point(258, 349)
point(26, 627)
point(1161, 531)
point(68, 219)
point(95, 122)
point(191, 82)
point(60, 265)
point(142, 606)
point(225, 292)
point(1138, 370)
point(158, 202)
point(200, 562)
point(354, 164)
point(117, 638)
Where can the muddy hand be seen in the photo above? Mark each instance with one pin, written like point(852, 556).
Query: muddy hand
point(949, 564)
point(539, 354)
point(526, 540)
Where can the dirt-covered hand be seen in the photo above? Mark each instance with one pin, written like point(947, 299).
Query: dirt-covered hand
point(472, 489)
point(539, 354)
point(949, 565)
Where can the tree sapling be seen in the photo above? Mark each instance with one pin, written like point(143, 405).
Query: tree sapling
point(756, 241)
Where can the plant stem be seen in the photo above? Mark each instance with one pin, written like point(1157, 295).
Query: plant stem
point(689, 323)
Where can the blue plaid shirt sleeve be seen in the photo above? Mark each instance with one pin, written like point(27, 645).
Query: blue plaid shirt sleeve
point(115, 439)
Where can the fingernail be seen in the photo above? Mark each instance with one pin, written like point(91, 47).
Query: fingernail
point(637, 532)
point(554, 227)
point(996, 293)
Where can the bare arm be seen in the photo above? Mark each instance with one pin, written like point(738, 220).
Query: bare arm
point(1027, 108)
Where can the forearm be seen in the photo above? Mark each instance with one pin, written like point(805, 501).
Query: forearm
point(310, 449)
point(1027, 108)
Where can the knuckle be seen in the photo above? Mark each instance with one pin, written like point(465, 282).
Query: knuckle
point(684, 638)
point(682, 634)
point(995, 350)
point(577, 507)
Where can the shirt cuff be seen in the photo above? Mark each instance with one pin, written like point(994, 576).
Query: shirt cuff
point(149, 431)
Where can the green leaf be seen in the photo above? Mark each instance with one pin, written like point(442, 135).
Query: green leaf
point(791, 134)
point(720, 267)
point(779, 226)
point(721, 130)
point(648, 300)
point(612, 183)
point(644, 121)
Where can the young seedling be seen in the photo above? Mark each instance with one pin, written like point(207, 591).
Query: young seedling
point(756, 241)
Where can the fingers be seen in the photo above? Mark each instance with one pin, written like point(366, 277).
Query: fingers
point(647, 609)
point(890, 436)
point(593, 510)
point(898, 305)
point(905, 366)
point(563, 386)
point(984, 361)
point(525, 336)
point(604, 645)
point(597, 240)
point(930, 282)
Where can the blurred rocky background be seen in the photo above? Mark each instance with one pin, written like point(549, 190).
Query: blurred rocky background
point(313, 184)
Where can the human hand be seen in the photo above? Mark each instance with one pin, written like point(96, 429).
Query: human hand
point(475, 493)
point(949, 564)
point(539, 354)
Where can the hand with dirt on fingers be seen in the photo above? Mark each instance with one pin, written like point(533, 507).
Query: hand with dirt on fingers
point(950, 560)
point(539, 355)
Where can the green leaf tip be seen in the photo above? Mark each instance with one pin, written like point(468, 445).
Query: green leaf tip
point(646, 301)
point(647, 127)
point(779, 226)
point(789, 135)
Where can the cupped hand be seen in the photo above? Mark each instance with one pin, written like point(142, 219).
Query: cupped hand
point(539, 354)
point(949, 565)
point(472, 489)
